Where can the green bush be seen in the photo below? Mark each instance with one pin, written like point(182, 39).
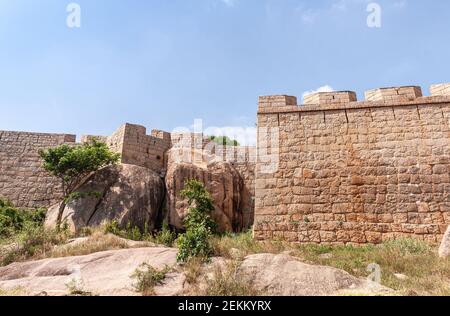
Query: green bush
point(113, 227)
point(194, 243)
point(131, 232)
point(13, 220)
point(199, 225)
point(165, 236)
point(33, 241)
point(224, 141)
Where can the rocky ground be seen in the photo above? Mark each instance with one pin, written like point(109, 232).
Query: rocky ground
point(110, 273)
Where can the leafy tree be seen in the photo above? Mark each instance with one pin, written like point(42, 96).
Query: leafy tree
point(198, 222)
point(73, 164)
point(224, 141)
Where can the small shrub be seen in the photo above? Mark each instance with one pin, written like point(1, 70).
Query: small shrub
point(13, 220)
point(165, 236)
point(32, 242)
point(86, 232)
point(199, 225)
point(131, 232)
point(148, 277)
point(194, 243)
point(112, 227)
point(193, 269)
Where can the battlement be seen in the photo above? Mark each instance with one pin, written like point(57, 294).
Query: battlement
point(276, 101)
point(440, 89)
point(396, 94)
point(338, 97)
point(347, 171)
point(407, 95)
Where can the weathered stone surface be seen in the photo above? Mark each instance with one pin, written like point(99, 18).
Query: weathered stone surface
point(109, 273)
point(221, 179)
point(283, 275)
point(444, 250)
point(355, 172)
point(104, 273)
point(22, 180)
point(128, 194)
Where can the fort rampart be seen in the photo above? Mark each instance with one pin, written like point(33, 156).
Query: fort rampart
point(354, 172)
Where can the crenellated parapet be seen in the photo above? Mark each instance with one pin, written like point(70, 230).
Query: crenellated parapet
point(406, 95)
point(337, 170)
point(399, 94)
point(339, 97)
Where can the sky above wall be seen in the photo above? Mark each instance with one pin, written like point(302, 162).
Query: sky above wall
point(164, 63)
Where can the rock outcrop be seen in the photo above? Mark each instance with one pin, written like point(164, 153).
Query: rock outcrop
point(284, 275)
point(221, 179)
point(126, 193)
point(103, 273)
point(109, 273)
point(444, 250)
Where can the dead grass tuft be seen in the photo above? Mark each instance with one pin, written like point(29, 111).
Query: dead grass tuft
point(230, 281)
point(97, 242)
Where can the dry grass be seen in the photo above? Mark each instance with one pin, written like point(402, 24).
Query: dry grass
point(229, 281)
point(30, 244)
point(13, 292)
point(97, 242)
point(147, 277)
point(426, 273)
point(193, 269)
point(240, 245)
point(41, 243)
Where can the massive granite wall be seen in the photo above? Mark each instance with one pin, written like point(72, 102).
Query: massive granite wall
point(26, 184)
point(22, 180)
point(339, 171)
point(243, 158)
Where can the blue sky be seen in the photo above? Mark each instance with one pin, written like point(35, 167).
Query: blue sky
point(164, 63)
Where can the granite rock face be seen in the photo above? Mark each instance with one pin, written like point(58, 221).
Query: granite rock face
point(221, 179)
point(126, 194)
point(284, 275)
point(106, 273)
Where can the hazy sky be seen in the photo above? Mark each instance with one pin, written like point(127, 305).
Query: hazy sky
point(164, 63)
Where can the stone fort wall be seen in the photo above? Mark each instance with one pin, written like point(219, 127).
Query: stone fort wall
point(22, 180)
point(26, 184)
point(354, 172)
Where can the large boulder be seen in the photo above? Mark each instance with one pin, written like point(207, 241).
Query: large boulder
point(444, 250)
point(127, 194)
point(284, 275)
point(103, 273)
point(221, 179)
